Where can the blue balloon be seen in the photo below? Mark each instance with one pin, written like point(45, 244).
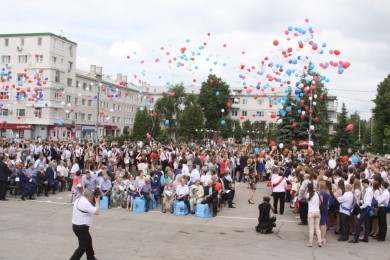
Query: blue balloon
point(256, 150)
point(223, 122)
point(355, 159)
point(217, 93)
point(167, 122)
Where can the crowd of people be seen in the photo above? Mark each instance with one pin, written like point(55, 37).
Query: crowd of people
point(343, 196)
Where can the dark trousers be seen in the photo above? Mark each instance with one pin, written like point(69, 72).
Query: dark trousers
point(214, 201)
point(229, 197)
point(344, 224)
point(27, 192)
point(382, 211)
point(85, 243)
point(280, 196)
point(185, 199)
point(303, 211)
point(147, 200)
point(41, 188)
point(3, 189)
point(364, 218)
point(53, 186)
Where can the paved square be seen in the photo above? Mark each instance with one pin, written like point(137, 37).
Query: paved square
point(41, 229)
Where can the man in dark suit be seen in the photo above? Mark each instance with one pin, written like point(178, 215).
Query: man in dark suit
point(5, 172)
point(52, 177)
point(243, 163)
point(211, 196)
point(43, 184)
point(227, 191)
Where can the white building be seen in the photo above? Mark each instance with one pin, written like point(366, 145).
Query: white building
point(42, 94)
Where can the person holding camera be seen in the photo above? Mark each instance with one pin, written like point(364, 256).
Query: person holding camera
point(83, 212)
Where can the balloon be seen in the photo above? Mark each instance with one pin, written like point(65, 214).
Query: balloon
point(332, 163)
point(286, 151)
point(281, 145)
point(223, 122)
point(273, 143)
point(345, 158)
point(309, 151)
point(256, 150)
point(355, 159)
point(350, 127)
point(167, 122)
point(276, 42)
point(148, 136)
point(218, 186)
point(228, 104)
point(312, 127)
point(223, 110)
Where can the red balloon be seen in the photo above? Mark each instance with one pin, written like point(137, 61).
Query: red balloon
point(294, 125)
point(293, 142)
point(276, 42)
point(218, 186)
point(309, 151)
point(350, 127)
point(316, 119)
point(228, 104)
point(345, 158)
point(336, 52)
point(286, 151)
point(272, 143)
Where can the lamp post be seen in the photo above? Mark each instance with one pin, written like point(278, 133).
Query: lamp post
point(98, 74)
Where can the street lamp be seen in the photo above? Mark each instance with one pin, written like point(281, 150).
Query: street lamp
point(99, 75)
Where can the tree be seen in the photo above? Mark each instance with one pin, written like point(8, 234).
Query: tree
point(247, 128)
point(359, 131)
point(237, 134)
point(213, 97)
point(259, 130)
point(170, 106)
point(342, 137)
point(227, 128)
point(190, 121)
point(381, 113)
point(142, 125)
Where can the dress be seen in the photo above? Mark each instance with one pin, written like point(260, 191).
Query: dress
point(266, 223)
point(252, 181)
point(324, 215)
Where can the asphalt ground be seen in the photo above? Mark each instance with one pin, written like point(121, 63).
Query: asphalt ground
point(42, 229)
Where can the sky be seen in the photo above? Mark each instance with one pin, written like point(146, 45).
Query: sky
point(142, 38)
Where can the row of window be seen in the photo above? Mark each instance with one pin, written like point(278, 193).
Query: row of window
point(245, 113)
point(57, 44)
point(6, 41)
point(18, 133)
point(6, 59)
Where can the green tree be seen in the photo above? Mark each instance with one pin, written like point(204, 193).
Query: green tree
point(142, 125)
point(227, 128)
point(213, 97)
point(190, 121)
point(259, 130)
point(247, 128)
point(359, 130)
point(381, 113)
point(342, 136)
point(237, 134)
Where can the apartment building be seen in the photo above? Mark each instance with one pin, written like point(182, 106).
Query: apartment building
point(43, 94)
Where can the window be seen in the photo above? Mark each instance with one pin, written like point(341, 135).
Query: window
point(68, 99)
point(38, 112)
point(57, 76)
point(119, 108)
point(56, 113)
point(69, 82)
point(22, 58)
point(259, 101)
point(54, 61)
point(113, 120)
point(6, 42)
point(76, 100)
point(83, 101)
point(20, 112)
point(84, 86)
point(89, 117)
point(39, 41)
point(234, 113)
point(3, 133)
point(4, 112)
point(118, 120)
point(260, 113)
point(244, 101)
point(70, 50)
point(55, 43)
point(132, 109)
point(244, 113)
point(131, 121)
point(5, 59)
point(56, 95)
point(63, 45)
point(21, 41)
point(21, 76)
point(89, 103)
point(4, 95)
point(19, 133)
point(70, 65)
point(75, 116)
point(39, 58)
point(82, 115)
point(77, 84)
point(114, 106)
point(67, 115)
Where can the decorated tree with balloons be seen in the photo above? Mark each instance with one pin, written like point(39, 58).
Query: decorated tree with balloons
point(213, 98)
point(143, 126)
point(191, 123)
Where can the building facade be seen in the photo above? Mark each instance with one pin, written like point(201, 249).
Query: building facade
point(43, 94)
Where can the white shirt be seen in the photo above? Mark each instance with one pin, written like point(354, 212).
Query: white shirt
point(82, 212)
point(74, 168)
point(185, 170)
point(383, 199)
point(368, 197)
point(314, 202)
point(281, 187)
point(346, 202)
point(181, 190)
point(195, 175)
point(143, 167)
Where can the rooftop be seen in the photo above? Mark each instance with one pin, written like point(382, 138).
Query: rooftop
point(36, 34)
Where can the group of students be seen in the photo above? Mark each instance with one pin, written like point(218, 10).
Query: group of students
point(347, 196)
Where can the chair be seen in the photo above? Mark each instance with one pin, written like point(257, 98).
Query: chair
point(104, 202)
point(202, 211)
point(179, 208)
point(139, 204)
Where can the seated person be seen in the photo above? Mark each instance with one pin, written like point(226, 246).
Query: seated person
point(182, 192)
point(27, 184)
point(118, 196)
point(144, 191)
point(227, 193)
point(196, 195)
point(131, 192)
point(43, 184)
point(15, 181)
point(266, 223)
point(211, 196)
point(155, 182)
point(168, 197)
point(105, 187)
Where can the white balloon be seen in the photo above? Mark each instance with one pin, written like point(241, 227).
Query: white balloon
point(111, 110)
point(315, 96)
point(312, 127)
point(279, 121)
point(303, 112)
point(281, 145)
point(222, 110)
point(314, 103)
point(62, 103)
point(311, 143)
point(332, 163)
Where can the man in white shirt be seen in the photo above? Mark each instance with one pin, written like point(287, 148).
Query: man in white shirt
point(346, 206)
point(365, 208)
point(383, 203)
point(83, 212)
point(195, 175)
point(185, 170)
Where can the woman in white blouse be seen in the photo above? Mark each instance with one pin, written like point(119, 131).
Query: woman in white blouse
point(314, 214)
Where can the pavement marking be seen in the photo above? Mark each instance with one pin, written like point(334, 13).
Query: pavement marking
point(59, 198)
